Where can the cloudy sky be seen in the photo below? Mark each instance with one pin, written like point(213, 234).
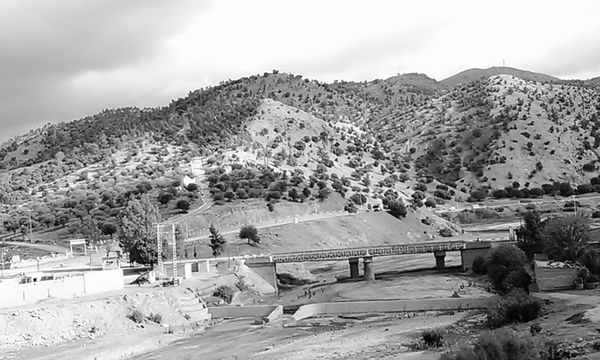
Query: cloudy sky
point(64, 59)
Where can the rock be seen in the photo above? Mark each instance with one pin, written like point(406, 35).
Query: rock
point(294, 274)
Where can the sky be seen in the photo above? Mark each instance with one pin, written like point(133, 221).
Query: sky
point(61, 60)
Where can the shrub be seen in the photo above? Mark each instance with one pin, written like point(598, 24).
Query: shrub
point(430, 203)
point(136, 316)
point(350, 207)
point(432, 338)
point(445, 232)
point(565, 189)
point(502, 344)
point(225, 292)
point(479, 265)
point(323, 194)
point(515, 307)
point(397, 208)
point(183, 205)
point(420, 186)
point(155, 318)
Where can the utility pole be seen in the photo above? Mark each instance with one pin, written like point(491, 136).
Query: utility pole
point(174, 251)
point(159, 265)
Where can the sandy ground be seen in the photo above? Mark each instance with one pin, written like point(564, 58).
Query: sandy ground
point(375, 338)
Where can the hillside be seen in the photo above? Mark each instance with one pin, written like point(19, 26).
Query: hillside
point(279, 138)
point(468, 76)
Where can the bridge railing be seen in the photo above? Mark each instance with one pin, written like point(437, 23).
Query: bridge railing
point(385, 250)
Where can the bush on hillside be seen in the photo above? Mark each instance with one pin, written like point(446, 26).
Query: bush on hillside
point(430, 203)
point(183, 205)
point(350, 207)
point(432, 338)
point(500, 345)
point(136, 316)
point(397, 208)
point(515, 307)
point(445, 232)
point(155, 318)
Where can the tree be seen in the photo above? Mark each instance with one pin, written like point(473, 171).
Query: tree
point(108, 229)
point(192, 187)
point(529, 237)
point(506, 262)
point(565, 238)
point(136, 228)
point(397, 208)
point(165, 197)
point(183, 205)
point(323, 193)
point(250, 233)
point(89, 229)
point(217, 241)
point(565, 189)
point(11, 225)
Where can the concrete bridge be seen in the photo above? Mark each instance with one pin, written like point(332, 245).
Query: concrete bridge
point(469, 250)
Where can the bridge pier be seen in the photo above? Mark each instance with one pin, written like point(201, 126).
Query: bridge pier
point(368, 267)
point(440, 263)
point(353, 261)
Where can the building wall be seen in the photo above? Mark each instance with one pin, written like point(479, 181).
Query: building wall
point(548, 279)
point(13, 295)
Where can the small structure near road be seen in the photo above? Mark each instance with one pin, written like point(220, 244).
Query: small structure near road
point(78, 242)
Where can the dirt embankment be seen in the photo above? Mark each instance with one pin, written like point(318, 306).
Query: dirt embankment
point(234, 216)
point(88, 322)
point(378, 228)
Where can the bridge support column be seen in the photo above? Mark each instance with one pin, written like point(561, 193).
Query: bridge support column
point(439, 259)
point(353, 267)
point(368, 267)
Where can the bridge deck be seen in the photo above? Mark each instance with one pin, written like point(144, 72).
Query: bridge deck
point(382, 250)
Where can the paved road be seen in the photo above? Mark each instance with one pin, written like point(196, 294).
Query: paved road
point(45, 247)
point(516, 203)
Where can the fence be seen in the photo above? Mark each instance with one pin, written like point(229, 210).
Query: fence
point(12, 295)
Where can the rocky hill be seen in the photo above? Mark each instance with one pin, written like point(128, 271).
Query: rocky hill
point(280, 137)
point(468, 76)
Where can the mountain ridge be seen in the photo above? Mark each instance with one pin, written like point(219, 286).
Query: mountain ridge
point(281, 137)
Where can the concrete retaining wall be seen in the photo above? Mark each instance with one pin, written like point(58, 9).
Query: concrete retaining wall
point(383, 306)
point(548, 279)
point(13, 295)
point(271, 312)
